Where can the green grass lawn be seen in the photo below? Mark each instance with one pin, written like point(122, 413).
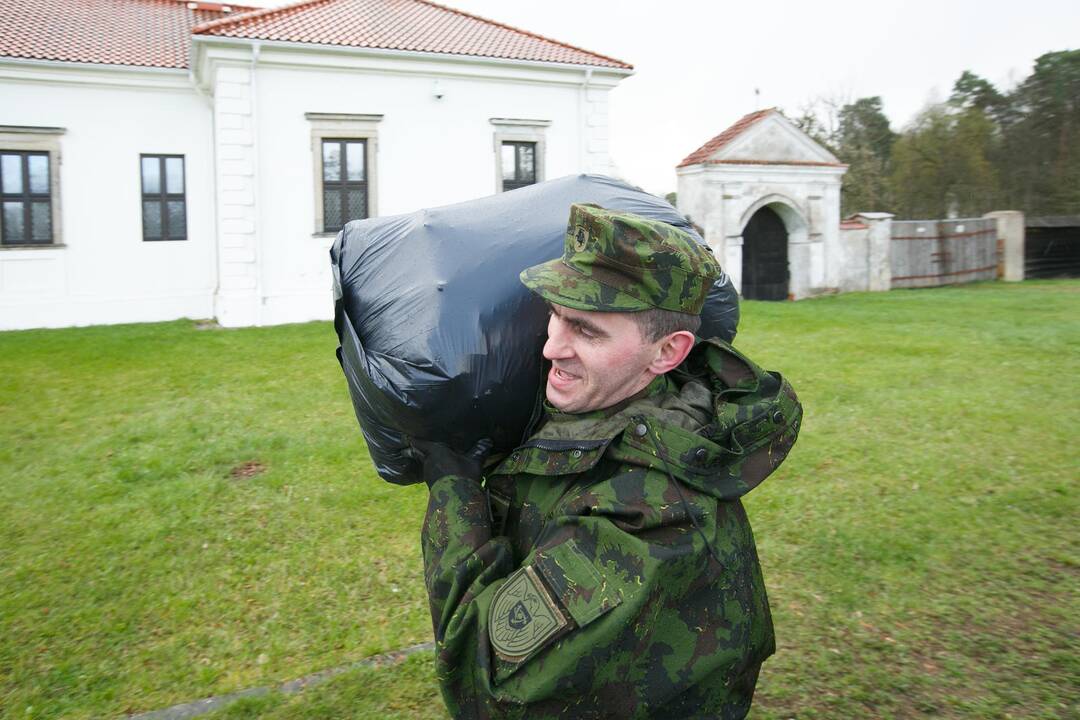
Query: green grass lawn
point(188, 512)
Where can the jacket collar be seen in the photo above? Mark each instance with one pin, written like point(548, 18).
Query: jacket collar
point(575, 442)
point(718, 422)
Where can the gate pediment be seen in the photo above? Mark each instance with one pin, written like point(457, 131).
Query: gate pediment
point(765, 137)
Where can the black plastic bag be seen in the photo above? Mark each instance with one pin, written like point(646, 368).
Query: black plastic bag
point(439, 339)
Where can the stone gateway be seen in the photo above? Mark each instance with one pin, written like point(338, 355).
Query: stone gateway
point(768, 200)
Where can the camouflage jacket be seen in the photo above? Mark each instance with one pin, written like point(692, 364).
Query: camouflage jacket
point(608, 569)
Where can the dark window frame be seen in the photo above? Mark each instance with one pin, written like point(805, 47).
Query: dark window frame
point(28, 199)
point(513, 184)
point(162, 197)
point(343, 185)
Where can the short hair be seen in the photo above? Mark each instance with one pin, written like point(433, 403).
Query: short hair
point(656, 323)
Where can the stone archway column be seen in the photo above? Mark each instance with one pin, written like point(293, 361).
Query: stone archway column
point(801, 263)
point(878, 258)
point(733, 250)
point(1010, 228)
point(713, 231)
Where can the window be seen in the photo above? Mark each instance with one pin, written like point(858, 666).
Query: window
point(519, 152)
point(344, 148)
point(30, 186)
point(25, 191)
point(518, 164)
point(164, 209)
point(344, 182)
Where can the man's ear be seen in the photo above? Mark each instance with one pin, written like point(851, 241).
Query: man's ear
point(671, 351)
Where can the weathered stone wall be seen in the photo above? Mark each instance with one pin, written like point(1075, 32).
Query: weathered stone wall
point(864, 253)
point(854, 251)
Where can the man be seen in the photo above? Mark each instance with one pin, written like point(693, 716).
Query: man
point(607, 568)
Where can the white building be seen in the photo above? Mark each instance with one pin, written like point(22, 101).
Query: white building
point(163, 159)
point(768, 200)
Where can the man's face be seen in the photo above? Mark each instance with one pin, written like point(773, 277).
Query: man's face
point(597, 359)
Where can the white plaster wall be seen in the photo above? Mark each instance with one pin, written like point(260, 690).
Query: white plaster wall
point(106, 273)
point(704, 208)
point(691, 198)
point(252, 254)
point(854, 249)
point(431, 151)
point(826, 276)
point(766, 146)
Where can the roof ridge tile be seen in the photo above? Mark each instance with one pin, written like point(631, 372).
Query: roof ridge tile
point(252, 15)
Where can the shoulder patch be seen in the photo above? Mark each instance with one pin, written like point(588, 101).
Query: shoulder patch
point(523, 616)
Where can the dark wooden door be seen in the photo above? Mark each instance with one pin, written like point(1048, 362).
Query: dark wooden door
point(764, 257)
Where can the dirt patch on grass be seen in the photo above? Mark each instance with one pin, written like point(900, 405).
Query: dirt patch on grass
point(248, 469)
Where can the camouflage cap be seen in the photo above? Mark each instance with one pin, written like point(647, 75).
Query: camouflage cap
point(621, 262)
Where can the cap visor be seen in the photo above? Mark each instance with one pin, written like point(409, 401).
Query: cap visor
point(557, 282)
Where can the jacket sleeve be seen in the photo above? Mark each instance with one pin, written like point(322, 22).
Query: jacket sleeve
point(462, 561)
point(460, 555)
point(618, 579)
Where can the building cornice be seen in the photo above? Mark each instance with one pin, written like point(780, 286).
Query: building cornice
point(718, 172)
point(99, 74)
point(32, 130)
point(207, 51)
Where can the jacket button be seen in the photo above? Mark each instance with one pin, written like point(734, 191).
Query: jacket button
point(778, 417)
point(575, 453)
point(515, 457)
point(700, 455)
point(640, 430)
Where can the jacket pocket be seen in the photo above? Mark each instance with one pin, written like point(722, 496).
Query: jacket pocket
point(578, 585)
point(559, 593)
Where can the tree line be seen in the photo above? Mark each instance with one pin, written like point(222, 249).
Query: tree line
point(982, 149)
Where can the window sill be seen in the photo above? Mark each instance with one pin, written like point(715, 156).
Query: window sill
point(42, 246)
point(323, 235)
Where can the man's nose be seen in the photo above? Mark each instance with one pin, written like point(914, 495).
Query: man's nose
point(557, 347)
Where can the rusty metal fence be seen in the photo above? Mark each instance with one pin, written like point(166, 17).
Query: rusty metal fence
point(928, 253)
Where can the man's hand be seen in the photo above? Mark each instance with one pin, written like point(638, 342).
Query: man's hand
point(438, 460)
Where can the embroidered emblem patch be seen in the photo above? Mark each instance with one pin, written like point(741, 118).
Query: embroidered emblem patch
point(581, 238)
point(523, 616)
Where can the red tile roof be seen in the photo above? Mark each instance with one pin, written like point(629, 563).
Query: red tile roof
point(148, 33)
point(707, 150)
point(415, 25)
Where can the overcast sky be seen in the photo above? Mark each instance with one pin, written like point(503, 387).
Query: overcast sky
point(697, 62)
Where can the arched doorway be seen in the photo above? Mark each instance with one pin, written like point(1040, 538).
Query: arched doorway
point(765, 257)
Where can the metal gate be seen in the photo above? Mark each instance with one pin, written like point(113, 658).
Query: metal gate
point(764, 257)
point(928, 253)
